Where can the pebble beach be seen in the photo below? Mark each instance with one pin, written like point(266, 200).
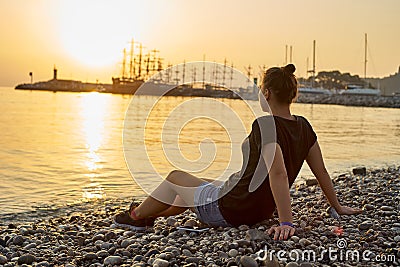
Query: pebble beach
point(84, 235)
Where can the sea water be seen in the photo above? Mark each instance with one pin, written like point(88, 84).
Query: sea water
point(62, 148)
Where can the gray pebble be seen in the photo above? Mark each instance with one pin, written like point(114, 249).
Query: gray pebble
point(98, 237)
point(247, 261)
point(106, 245)
point(3, 259)
point(187, 253)
point(365, 225)
point(102, 254)
point(397, 238)
point(292, 264)
point(126, 242)
point(193, 260)
point(43, 264)
point(387, 208)
point(222, 255)
point(90, 256)
point(171, 221)
point(29, 246)
point(369, 207)
point(152, 252)
point(190, 223)
point(160, 263)
point(110, 235)
point(272, 262)
point(27, 259)
point(112, 260)
point(138, 258)
point(255, 234)
point(23, 231)
point(233, 253)
point(360, 171)
point(311, 182)
point(243, 227)
point(18, 240)
point(304, 242)
point(243, 243)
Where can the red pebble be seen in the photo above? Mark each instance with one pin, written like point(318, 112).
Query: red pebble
point(337, 230)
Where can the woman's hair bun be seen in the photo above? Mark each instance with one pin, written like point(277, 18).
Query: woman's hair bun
point(289, 68)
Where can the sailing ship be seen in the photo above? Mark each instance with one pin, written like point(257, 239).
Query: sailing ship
point(139, 68)
point(310, 89)
point(353, 89)
point(145, 71)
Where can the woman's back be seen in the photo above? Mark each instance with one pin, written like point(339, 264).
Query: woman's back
point(248, 190)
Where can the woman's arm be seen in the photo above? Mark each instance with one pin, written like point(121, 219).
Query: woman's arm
point(315, 161)
point(280, 189)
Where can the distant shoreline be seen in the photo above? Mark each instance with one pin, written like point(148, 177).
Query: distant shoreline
point(307, 98)
point(350, 100)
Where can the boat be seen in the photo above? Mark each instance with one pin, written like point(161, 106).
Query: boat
point(144, 72)
point(140, 68)
point(354, 89)
point(309, 88)
point(359, 90)
point(314, 90)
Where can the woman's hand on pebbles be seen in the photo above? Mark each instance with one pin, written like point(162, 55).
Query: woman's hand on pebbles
point(281, 232)
point(344, 210)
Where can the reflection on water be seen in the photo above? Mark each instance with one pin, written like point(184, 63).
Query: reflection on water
point(93, 109)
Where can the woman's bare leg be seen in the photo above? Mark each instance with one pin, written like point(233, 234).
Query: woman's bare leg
point(177, 183)
point(179, 205)
point(176, 208)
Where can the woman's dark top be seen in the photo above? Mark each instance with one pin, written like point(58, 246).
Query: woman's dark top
point(246, 197)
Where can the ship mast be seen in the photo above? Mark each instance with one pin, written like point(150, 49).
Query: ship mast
point(365, 58)
point(313, 69)
point(123, 64)
point(204, 71)
point(147, 60)
point(140, 61)
point(231, 77)
point(284, 64)
point(223, 74)
point(194, 75)
point(183, 72)
point(131, 63)
point(216, 77)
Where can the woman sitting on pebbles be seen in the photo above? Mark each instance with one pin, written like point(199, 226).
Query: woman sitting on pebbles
point(272, 160)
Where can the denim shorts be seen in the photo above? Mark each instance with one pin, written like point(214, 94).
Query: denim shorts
point(206, 205)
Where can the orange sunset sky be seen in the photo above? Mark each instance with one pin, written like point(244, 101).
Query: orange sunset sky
point(85, 39)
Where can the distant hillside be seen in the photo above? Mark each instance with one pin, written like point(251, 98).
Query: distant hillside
point(388, 85)
point(334, 80)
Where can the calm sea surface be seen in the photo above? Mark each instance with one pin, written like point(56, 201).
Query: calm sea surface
point(63, 148)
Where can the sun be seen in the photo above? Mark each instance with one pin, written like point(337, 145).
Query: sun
point(94, 33)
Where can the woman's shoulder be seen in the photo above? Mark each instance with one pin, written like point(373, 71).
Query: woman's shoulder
point(273, 121)
point(263, 121)
point(303, 119)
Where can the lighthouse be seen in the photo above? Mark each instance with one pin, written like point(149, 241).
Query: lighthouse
point(55, 73)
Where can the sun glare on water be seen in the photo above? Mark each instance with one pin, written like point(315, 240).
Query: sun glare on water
point(93, 110)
